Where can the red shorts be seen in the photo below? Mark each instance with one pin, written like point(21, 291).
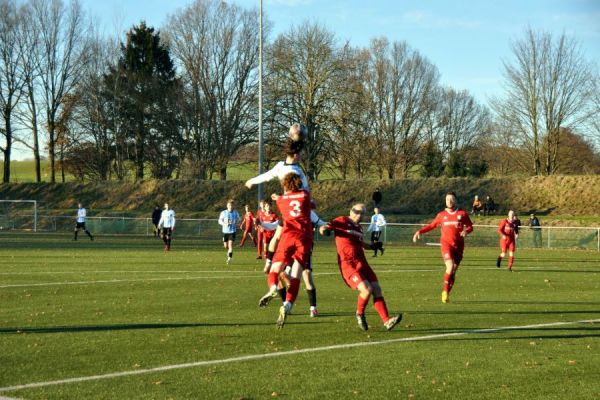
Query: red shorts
point(507, 244)
point(292, 247)
point(354, 272)
point(268, 235)
point(454, 253)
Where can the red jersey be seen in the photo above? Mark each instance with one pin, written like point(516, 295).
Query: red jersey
point(248, 220)
point(348, 243)
point(259, 215)
point(508, 228)
point(295, 211)
point(272, 217)
point(452, 223)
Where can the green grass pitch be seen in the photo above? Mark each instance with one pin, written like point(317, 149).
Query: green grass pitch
point(121, 306)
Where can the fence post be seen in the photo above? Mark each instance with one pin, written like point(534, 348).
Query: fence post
point(598, 236)
point(548, 230)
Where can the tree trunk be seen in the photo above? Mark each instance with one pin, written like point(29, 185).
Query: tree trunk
point(51, 153)
point(7, 150)
point(223, 173)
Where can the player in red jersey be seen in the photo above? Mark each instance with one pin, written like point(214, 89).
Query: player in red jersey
point(296, 241)
point(259, 230)
point(247, 225)
point(509, 232)
point(455, 224)
point(267, 218)
point(355, 270)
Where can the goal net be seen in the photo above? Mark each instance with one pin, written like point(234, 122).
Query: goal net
point(18, 214)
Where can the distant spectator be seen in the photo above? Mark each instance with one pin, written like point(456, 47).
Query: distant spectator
point(536, 227)
point(477, 206)
point(377, 197)
point(155, 219)
point(489, 207)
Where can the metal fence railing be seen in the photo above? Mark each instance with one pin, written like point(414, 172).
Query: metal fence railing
point(483, 235)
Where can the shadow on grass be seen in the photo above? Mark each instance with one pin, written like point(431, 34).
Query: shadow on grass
point(126, 327)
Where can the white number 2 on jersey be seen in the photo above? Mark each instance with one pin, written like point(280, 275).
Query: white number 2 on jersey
point(295, 211)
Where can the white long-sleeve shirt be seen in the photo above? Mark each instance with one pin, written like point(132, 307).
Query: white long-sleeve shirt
point(81, 215)
point(377, 222)
point(229, 220)
point(280, 170)
point(167, 219)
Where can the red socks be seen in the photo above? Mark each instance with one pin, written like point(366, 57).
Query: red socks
point(510, 262)
point(447, 278)
point(272, 279)
point(292, 292)
point(381, 307)
point(361, 305)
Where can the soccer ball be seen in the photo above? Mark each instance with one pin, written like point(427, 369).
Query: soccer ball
point(297, 132)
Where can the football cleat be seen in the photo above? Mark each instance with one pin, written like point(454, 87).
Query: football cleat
point(498, 261)
point(445, 297)
point(362, 322)
point(228, 260)
point(266, 299)
point(259, 257)
point(283, 313)
point(392, 322)
point(382, 250)
point(313, 313)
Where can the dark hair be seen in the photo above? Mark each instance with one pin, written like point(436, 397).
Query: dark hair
point(292, 182)
point(451, 193)
point(293, 147)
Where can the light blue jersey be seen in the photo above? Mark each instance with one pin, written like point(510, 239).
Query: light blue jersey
point(229, 220)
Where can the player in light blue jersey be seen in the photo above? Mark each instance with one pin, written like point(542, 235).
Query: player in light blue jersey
point(229, 219)
point(376, 226)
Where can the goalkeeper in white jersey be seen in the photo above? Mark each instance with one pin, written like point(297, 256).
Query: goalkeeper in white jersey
point(80, 222)
point(166, 225)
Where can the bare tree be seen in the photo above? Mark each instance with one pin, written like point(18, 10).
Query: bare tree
point(306, 71)
point(547, 88)
point(11, 81)
point(216, 45)
point(62, 44)
point(459, 120)
point(403, 85)
point(27, 113)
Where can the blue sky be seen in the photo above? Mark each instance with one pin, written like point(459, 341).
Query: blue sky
point(467, 40)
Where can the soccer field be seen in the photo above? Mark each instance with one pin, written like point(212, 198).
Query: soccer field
point(118, 318)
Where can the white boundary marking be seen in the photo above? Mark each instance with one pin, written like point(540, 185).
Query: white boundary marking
point(253, 357)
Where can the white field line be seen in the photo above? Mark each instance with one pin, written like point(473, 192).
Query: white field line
point(230, 275)
point(263, 356)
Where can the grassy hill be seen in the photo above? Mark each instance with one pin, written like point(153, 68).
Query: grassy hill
point(570, 197)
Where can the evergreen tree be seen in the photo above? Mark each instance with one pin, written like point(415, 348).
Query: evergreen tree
point(143, 88)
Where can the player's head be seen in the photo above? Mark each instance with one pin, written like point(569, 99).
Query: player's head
point(79, 205)
point(230, 204)
point(291, 182)
point(293, 148)
point(376, 210)
point(357, 211)
point(246, 207)
point(512, 215)
point(166, 206)
point(267, 206)
point(451, 200)
point(532, 216)
point(476, 197)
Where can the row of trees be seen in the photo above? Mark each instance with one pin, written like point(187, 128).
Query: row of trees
point(182, 102)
